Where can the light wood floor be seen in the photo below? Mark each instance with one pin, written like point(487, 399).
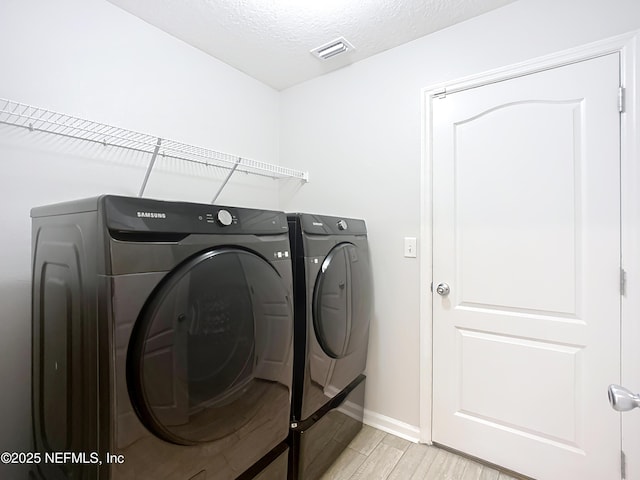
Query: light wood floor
point(375, 455)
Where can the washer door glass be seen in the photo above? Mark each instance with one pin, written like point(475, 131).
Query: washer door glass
point(211, 347)
point(342, 301)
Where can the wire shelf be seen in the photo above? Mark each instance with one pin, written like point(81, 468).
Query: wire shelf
point(48, 121)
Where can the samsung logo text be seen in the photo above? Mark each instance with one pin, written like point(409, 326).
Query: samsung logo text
point(151, 215)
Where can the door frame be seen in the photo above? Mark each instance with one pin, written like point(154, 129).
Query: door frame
point(628, 47)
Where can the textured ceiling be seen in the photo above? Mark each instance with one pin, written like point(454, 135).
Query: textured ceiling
point(270, 40)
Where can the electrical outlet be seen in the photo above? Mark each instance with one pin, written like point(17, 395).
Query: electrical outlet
point(410, 247)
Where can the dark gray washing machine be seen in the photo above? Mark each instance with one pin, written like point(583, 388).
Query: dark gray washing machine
point(162, 340)
point(333, 305)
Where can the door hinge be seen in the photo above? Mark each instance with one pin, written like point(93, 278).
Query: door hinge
point(623, 281)
point(621, 99)
point(623, 465)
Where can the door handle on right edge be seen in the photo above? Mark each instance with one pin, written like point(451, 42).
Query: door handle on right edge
point(623, 399)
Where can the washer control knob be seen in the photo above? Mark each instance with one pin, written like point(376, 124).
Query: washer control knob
point(342, 225)
point(224, 218)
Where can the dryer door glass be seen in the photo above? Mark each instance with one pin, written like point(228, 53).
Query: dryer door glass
point(210, 349)
point(342, 301)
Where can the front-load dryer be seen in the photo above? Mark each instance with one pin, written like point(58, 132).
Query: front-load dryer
point(162, 341)
point(333, 305)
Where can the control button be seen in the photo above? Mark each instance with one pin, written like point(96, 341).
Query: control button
point(224, 218)
point(342, 225)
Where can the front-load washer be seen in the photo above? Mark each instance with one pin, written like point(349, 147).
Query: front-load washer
point(162, 341)
point(332, 311)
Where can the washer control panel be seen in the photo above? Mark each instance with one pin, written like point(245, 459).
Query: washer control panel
point(127, 214)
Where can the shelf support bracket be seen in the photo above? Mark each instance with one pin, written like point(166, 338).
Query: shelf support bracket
point(226, 180)
point(150, 167)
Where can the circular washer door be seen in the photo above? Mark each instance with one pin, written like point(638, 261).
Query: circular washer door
point(210, 347)
point(342, 301)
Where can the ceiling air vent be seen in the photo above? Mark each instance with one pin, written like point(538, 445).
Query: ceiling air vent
point(333, 48)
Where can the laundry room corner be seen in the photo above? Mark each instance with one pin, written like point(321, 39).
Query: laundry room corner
point(344, 121)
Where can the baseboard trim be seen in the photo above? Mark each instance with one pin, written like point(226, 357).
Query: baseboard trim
point(392, 426)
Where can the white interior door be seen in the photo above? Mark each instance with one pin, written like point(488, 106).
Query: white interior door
point(526, 234)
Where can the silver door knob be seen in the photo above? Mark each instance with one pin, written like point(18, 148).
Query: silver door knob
point(443, 289)
point(622, 399)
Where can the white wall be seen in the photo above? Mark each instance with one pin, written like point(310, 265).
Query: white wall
point(358, 132)
point(90, 59)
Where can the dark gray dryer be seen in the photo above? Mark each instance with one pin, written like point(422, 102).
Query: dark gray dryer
point(162, 333)
point(333, 304)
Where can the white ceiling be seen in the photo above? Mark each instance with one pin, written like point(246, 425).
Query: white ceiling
point(270, 40)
